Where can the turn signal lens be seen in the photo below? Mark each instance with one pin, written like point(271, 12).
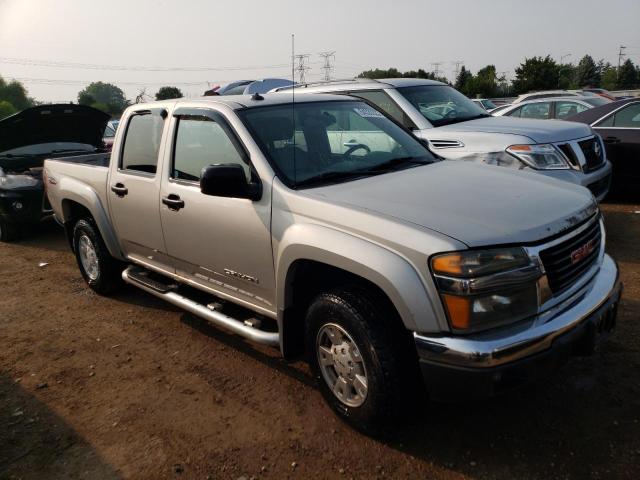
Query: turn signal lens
point(450, 264)
point(475, 263)
point(459, 311)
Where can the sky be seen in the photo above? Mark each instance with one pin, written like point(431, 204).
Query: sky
point(56, 47)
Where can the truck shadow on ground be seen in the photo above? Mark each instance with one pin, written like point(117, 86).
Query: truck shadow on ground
point(36, 443)
point(45, 235)
point(580, 423)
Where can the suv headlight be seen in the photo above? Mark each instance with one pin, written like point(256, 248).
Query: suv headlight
point(16, 181)
point(540, 157)
point(481, 289)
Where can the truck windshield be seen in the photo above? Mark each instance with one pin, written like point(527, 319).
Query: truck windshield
point(442, 105)
point(330, 142)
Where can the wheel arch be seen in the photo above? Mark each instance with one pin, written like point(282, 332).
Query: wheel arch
point(311, 258)
point(87, 204)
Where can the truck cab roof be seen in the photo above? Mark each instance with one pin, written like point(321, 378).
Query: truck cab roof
point(241, 102)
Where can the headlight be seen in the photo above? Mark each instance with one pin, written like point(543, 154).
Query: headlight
point(540, 157)
point(481, 289)
point(16, 181)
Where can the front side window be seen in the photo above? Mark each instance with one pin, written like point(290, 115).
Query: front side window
point(628, 117)
point(566, 109)
point(385, 103)
point(142, 142)
point(325, 142)
point(200, 142)
point(442, 105)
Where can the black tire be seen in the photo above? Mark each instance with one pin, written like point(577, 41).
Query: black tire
point(386, 349)
point(108, 277)
point(8, 232)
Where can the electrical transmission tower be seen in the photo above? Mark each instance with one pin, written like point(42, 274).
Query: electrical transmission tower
point(436, 68)
point(327, 67)
point(621, 55)
point(302, 67)
point(458, 64)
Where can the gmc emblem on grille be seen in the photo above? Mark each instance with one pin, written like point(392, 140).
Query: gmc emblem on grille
point(583, 251)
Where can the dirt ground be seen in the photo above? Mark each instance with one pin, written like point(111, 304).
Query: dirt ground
point(129, 387)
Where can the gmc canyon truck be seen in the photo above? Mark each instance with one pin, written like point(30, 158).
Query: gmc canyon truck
point(324, 228)
point(458, 129)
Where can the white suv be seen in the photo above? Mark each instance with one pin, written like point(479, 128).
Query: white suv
point(458, 129)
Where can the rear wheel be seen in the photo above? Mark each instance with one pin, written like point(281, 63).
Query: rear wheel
point(361, 358)
point(98, 268)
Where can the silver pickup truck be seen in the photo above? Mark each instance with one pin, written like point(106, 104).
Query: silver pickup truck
point(322, 227)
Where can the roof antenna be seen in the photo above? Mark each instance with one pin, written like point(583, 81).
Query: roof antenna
point(293, 105)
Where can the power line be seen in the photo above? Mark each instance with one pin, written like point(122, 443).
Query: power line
point(91, 66)
point(327, 67)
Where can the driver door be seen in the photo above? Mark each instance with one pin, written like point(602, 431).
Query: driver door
point(221, 244)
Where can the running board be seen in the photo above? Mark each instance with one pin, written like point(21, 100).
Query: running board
point(132, 275)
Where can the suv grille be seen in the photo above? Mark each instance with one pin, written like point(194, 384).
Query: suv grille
point(566, 262)
point(593, 154)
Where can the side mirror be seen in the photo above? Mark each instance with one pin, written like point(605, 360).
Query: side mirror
point(228, 180)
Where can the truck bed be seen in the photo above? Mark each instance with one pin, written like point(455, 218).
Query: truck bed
point(74, 173)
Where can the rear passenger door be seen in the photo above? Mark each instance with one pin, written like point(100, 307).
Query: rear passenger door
point(134, 189)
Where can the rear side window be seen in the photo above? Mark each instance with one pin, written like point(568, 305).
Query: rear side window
point(567, 109)
point(539, 110)
point(200, 142)
point(385, 103)
point(142, 142)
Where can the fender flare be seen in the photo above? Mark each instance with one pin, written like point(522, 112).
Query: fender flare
point(71, 189)
point(389, 271)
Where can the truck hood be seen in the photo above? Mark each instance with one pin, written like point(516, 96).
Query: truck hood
point(540, 131)
point(53, 124)
point(478, 205)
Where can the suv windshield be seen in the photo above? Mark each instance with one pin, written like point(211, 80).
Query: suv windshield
point(442, 105)
point(329, 142)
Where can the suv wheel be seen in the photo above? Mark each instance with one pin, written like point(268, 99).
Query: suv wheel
point(361, 359)
point(98, 268)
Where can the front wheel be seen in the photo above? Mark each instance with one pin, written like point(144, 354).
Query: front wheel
point(98, 268)
point(361, 358)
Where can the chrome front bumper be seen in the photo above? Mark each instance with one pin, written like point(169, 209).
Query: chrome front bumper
point(510, 345)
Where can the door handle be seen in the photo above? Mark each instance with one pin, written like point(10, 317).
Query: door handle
point(173, 202)
point(119, 189)
point(350, 144)
point(611, 140)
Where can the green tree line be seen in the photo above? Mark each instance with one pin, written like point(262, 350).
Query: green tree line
point(536, 73)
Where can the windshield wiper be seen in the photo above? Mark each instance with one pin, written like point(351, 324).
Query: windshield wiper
point(397, 162)
point(334, 175)
point(387, 166)
point(71, 150)
point(17, 155)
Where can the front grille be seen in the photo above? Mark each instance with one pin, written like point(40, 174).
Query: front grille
point(593, 154)
point(566, 262)
point(569, 153)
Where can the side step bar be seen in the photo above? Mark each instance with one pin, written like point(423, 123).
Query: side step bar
point(132, 274)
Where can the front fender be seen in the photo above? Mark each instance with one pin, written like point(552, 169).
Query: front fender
point(392, 273)
point(72, 190)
